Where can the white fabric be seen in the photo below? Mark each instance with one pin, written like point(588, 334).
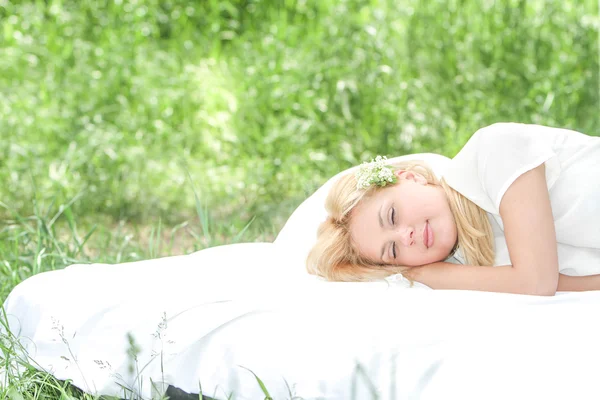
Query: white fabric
point(202, 319)
point(213, 312)
point(497, 155)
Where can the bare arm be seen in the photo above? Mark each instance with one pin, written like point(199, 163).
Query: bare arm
point(531, 240)
point(578, 283)
point(442, 278)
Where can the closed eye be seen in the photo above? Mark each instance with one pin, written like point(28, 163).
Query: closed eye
point(393, 221)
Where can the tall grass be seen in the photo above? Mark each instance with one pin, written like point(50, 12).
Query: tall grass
point(132, 129)
point(264, 100)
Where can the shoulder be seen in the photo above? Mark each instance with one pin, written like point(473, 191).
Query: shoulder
point(501, 127)
point(527, 132)
point(494, 157)
point(499, 131)
point(506, 131)
point(519, 142)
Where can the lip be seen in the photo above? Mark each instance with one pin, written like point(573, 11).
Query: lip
point(428, 235)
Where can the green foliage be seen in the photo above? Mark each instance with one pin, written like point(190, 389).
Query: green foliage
point(263, 100)
point(138, 128)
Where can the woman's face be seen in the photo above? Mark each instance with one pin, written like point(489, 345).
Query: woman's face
point(409, 223)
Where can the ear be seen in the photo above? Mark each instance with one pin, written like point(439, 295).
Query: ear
point(411, 176)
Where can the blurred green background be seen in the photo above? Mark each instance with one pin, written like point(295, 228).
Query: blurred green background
point(132, 129)
point(148, 116)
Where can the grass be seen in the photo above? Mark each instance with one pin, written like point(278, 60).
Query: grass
point(136, 129)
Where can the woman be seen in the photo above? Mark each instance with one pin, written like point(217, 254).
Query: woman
point(524, 199)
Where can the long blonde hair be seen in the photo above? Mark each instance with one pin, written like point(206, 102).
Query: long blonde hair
point(335, 256)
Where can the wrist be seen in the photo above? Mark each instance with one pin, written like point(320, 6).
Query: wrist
point(425, 274)
point(414, 273)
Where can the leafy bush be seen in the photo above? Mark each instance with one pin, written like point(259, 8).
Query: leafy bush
point(262, 101)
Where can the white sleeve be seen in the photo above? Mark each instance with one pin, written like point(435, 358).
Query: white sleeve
point(497, 155)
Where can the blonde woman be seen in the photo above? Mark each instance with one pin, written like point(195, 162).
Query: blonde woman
point(516, 211)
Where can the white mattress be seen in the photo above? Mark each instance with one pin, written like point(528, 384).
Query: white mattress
point(232, 307)
point(211, 317)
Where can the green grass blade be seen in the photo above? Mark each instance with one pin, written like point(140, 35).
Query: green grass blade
point(260, 383)
point(237, 237)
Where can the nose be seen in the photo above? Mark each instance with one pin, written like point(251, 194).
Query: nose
point(407, 236)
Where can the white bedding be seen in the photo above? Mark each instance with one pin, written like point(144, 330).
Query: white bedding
point(204, 318)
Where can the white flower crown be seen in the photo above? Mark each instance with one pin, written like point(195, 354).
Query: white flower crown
point(374, 173)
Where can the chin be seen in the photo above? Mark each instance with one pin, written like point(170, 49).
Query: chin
point(440, 258)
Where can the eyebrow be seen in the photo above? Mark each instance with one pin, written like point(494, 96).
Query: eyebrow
point(381, 224)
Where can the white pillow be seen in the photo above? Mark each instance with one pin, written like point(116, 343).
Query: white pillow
point(299, 234)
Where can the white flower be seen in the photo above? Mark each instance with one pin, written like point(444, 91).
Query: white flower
point(374, 173)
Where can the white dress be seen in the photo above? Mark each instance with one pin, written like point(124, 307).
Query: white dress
point(497, 155)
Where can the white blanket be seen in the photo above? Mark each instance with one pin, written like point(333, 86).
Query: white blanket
point(215, 318)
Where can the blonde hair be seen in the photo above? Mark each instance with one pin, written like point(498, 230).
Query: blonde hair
point(335, 257)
